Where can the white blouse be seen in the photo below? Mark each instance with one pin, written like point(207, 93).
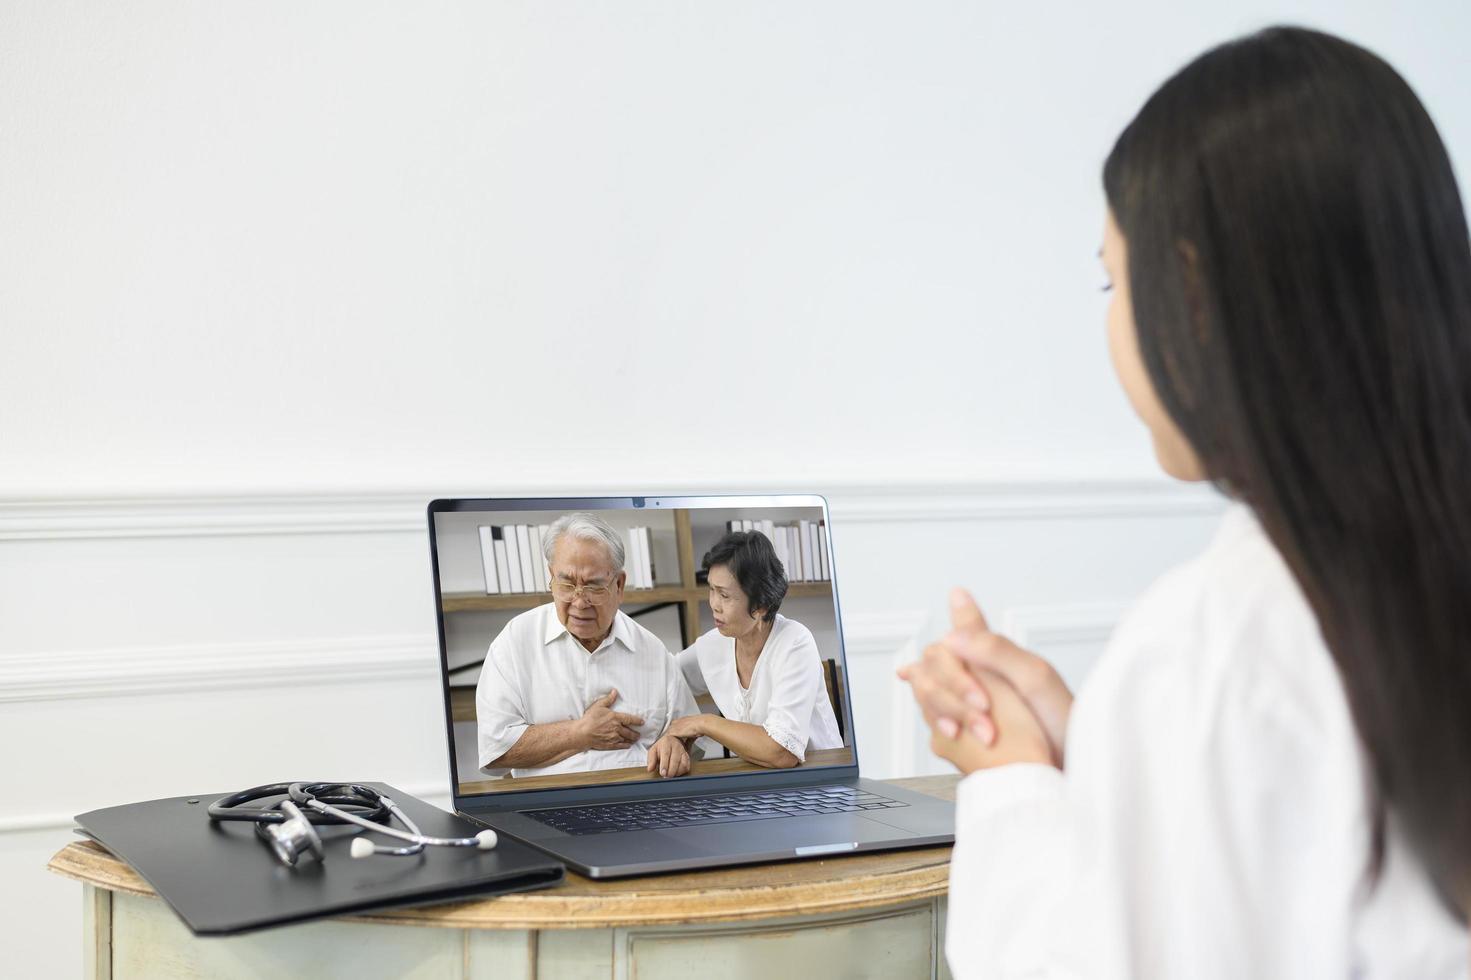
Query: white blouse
point(787, 695)
point(1211, 821)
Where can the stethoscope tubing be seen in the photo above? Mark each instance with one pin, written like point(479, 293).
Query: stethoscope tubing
point(322, 803)
point(336, 795)
point(413, 834)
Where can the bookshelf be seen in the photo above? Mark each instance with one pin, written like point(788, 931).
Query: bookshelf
point(687, 595)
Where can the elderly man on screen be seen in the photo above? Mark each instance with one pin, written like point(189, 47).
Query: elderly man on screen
point(576, 685)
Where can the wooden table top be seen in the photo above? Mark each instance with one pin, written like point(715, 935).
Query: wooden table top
point(601, 777)
point(753, 891)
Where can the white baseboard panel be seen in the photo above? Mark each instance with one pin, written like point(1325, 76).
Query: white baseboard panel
point(1065, 623)
point(880, 634)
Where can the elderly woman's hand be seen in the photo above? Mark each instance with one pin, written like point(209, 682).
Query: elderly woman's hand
point(690, 726)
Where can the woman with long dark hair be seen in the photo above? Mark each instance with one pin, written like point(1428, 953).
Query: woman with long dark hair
point(1269, 772)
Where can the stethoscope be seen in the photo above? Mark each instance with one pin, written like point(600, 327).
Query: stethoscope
point(287, 825)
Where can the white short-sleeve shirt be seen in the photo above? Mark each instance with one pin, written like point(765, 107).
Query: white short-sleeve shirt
point(787, 696)
point(537, 673)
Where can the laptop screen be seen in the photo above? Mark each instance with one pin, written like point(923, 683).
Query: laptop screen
point(595, 641)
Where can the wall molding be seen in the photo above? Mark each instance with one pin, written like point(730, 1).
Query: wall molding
point(1039, 627)
point(136, 671)
point(1023, 500)
point(59, 517)
point(881, 634)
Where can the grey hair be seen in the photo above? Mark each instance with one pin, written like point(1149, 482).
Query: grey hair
point(586, 527)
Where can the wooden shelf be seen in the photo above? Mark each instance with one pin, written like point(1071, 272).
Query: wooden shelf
point(687, 593)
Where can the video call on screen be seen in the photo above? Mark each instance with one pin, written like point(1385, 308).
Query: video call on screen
point(576, 640)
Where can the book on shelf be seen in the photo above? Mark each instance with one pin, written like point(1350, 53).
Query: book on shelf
point(523, 541)
point(633, 561)
point(488, 534)
point(502, 560)
point(801, 546)
point(649, 569)
point(513, 560)
point(639, 560)
point(537, 562)
point(804, 532)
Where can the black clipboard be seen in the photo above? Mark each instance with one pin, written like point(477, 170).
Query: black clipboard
point(222, 879)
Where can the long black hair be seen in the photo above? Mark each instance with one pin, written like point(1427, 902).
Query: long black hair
point(1301, 279)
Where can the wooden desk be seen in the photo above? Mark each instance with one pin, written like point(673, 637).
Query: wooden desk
point(597, 777)
point(870, 915)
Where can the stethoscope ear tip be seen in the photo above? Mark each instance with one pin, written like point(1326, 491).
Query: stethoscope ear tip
point(361, 848)
point(487, 839)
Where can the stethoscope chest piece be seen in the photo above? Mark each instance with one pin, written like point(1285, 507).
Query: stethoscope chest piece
point(292, 837)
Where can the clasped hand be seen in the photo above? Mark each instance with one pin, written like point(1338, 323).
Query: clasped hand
point(987, 701)
point(606, 729)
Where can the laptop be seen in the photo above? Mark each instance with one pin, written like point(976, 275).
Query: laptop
point(716, 651)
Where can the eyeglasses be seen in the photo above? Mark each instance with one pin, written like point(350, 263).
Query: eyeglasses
point(594, 594)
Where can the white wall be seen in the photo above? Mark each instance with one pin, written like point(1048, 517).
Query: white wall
point(274, 274)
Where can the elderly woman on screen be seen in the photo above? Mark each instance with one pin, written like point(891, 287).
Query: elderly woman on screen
point(762, 670)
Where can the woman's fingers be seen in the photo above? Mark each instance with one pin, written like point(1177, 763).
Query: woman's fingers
point(949, 696)
point(965, 614)
point(984, 729)
point(1026, 671)
point(950, 672)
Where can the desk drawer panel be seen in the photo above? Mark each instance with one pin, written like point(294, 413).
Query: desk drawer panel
point(885, 944)
point(150, 943)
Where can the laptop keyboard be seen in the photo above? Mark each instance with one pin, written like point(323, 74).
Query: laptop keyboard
point(696, 810)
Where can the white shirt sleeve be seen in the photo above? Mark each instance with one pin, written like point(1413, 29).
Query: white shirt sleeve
point(1212, 819)
point(681, 700)
point(1245, 863)
point(689, 665)
point(1014, 848)
point(794, 691)
point(500, 712)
